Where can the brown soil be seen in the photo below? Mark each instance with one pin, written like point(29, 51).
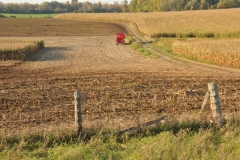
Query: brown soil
point(32, 27)
point(120, 88)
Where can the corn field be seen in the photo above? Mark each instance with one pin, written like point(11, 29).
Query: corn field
point(210, 23)
point(18, 49)
point(224, 52)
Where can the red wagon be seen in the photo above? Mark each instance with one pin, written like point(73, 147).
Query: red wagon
point(120, 38)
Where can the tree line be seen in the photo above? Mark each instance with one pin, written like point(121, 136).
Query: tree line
point(67, 7)
point(125, 6)
point(180, 5)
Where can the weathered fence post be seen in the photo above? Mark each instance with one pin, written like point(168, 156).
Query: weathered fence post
point(215, 103)
point(206, 97)
point(78, 112)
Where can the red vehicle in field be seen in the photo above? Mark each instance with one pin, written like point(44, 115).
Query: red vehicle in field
point(120, 38)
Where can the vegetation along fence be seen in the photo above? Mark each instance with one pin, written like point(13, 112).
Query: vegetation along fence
point(212, 93)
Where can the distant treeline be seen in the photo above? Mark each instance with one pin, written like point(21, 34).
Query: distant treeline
point(125, 6)
point(56, 7)
point(180, 5)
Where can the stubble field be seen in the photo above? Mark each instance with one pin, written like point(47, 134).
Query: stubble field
point(120, 88)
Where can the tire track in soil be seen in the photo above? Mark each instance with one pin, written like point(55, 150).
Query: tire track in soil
point(87, 53)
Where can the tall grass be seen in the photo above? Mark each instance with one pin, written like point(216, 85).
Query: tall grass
point(18, 49)
point(182, 139)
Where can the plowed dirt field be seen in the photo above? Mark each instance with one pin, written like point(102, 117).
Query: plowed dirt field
point(120, 88)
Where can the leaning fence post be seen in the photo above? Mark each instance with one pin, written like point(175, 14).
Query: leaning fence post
point(78, 112)
point(215, 103)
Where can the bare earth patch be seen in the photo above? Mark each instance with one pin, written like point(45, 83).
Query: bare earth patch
point(32, 27)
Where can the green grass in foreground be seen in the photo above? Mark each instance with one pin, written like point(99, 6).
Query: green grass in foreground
point(175, 140)
point(145, 52)
point(28, 15)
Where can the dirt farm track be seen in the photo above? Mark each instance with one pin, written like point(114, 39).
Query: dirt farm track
point(120, 88)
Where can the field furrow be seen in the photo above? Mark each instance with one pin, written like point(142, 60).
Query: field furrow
point(120, 87)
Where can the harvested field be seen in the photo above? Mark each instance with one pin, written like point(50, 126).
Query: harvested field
point(32, 27)
point(200, 23)
point(120, 88)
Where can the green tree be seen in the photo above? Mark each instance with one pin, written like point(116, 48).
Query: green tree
point(132, 6)
point(139, 6)
point(85, 6)
point(74, 1)
point(124, 6)
point(227, 4)
point(1, 7)
point(97, 7)
point(75, 5)
point(116, 7)
point(9, 8)
point(54, 4)
point(68, 7)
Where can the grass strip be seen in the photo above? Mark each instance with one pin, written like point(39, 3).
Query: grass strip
point(140, 49)
point(183, 139)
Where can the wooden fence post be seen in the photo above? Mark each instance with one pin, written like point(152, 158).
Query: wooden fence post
point(78, 112)
point(215, 103)
point(205, 101)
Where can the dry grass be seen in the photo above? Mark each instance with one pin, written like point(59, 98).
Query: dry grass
point(200, 23)
point(225, 52)
point(185, 139)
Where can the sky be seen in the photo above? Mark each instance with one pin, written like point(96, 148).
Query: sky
point(41, 1)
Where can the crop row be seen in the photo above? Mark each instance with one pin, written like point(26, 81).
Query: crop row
point(18, 49)
point(224, 52)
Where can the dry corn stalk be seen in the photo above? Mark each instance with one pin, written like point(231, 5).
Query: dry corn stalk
point(18, 49)
point(224, 52)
